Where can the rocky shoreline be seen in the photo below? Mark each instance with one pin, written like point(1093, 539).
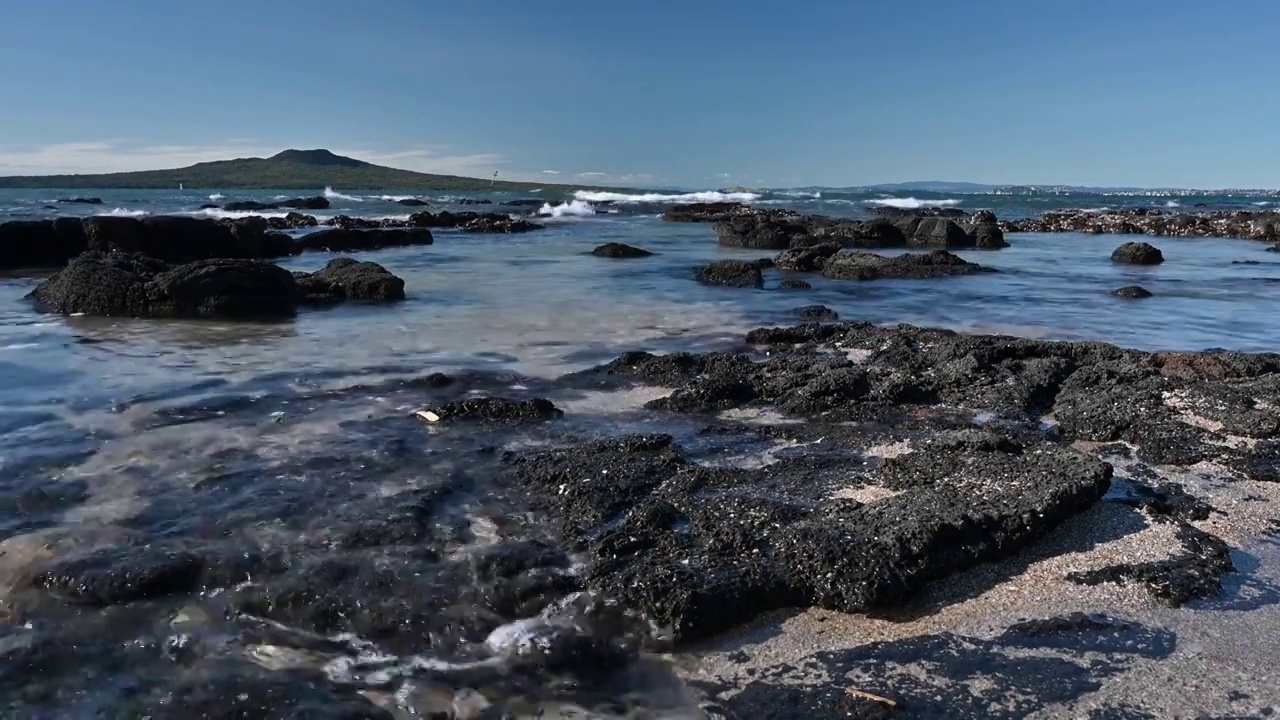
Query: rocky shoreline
point(526, 564)
point(1249, 225)
point(31, 244)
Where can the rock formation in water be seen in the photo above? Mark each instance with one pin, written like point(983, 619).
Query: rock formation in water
point(620, 251)
point(1261, 225)
point(1137, 253)
point(134, 285)
point(310, 203)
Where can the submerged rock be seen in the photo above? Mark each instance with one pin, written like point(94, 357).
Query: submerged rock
point(618, 250)
point(81, 201)
point(497, 409)
point(1133, 292)
point(730, 273)
point(793, 284)
point(858, 265)
point(820, 313)
point(310, 203)
point(412, 202)
point(1138, 253)
point(343, 240)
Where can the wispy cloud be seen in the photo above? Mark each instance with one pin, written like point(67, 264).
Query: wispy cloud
point(593, 175)
point(550, 172)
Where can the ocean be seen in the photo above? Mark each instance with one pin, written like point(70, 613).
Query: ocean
point(144, 431)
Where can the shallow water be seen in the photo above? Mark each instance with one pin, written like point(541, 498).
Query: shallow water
point(162, 429)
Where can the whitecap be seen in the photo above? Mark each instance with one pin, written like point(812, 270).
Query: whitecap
point(216, 197)
point(801, 194)
point(694, 197)
point(1172, 204)
point(573, 208)
point(335, 195)
point(910, 203)
point(396, 198)
point(125, 212)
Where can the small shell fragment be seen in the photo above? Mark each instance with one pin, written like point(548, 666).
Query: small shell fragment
point(427, 416)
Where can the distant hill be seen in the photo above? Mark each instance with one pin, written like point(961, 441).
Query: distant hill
point(291, 169)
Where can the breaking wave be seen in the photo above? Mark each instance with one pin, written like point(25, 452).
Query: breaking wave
point(1173, 204)
point(335, 195)
point(910, 203)
point(216, 197)
point(800, 194)
point(125, 212)
point(573, 208)
point(694, 197)
point(389, 198)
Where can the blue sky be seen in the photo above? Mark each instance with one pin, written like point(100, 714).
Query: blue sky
point(1125, 92)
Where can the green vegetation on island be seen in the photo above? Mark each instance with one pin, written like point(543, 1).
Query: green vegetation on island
point(292, 169)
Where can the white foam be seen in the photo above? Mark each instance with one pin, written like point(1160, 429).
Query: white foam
point(694, 197)
point(220, 214)
point(217, 196)
point(1172, 204)
point(910, 203)
point(799, 194)
point(573, 208)
point(396, 198)
point(125, 212)
point(335, 195)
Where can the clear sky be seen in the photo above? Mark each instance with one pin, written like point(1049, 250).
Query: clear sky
point(694, 93)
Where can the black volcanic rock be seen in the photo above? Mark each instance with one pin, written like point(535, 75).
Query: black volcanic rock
point(412, 202)
point(40, 243)
point(344, 240)
point(1132, 292)
point(311, 203)
point(1137, 253)
point(472, 222)
point(348, 279)
point(858, 265)
point(619, 250)
point(81, 201)
point(730, 273)
point(794, 284)
point(132, 285)
point(121, 284)
point(806, 259)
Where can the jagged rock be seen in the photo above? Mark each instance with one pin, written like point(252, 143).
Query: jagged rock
point(412, 202)
point(347, 279)
point(81, 201)
point(806, 259)
point(1137, 253)
point(793, 284)
point(1263, 225)
point(730, 273)
point(820, 313)
point(858, 265)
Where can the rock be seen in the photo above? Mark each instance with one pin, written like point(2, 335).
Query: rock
point(820, 313)
point(295, 220)
point(474, 201)
point(350, 280)
point(180, 239)
point(730, 273)
point(806, 259)
point(761, 232)
point(210, 206)
point(125, 574)
point(983, 217)
point(858, 265)
point(241, 693)
point(500, 410)
point(793, 284)
point(1137, 253)
point(472, 222)
point(40, 243)
point(618, 250)
point(1197, 573)
point(343, 240)
point(704, 212)
point(1260, 225)
point(132, 285)
point(346, 222)
point(412, 202)
point(525, 202)
point(937, 232)
point(311, 203)
point(923, 212)
point(81, 201)
point(1132, 292)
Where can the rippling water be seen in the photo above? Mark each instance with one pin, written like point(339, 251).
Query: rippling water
point(142, 409)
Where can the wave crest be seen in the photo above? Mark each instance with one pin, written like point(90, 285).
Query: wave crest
point(216, 197)
point(335, 195)
point(911, 203)
point(126, 212)
point(694, 197)
point(573, 208)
